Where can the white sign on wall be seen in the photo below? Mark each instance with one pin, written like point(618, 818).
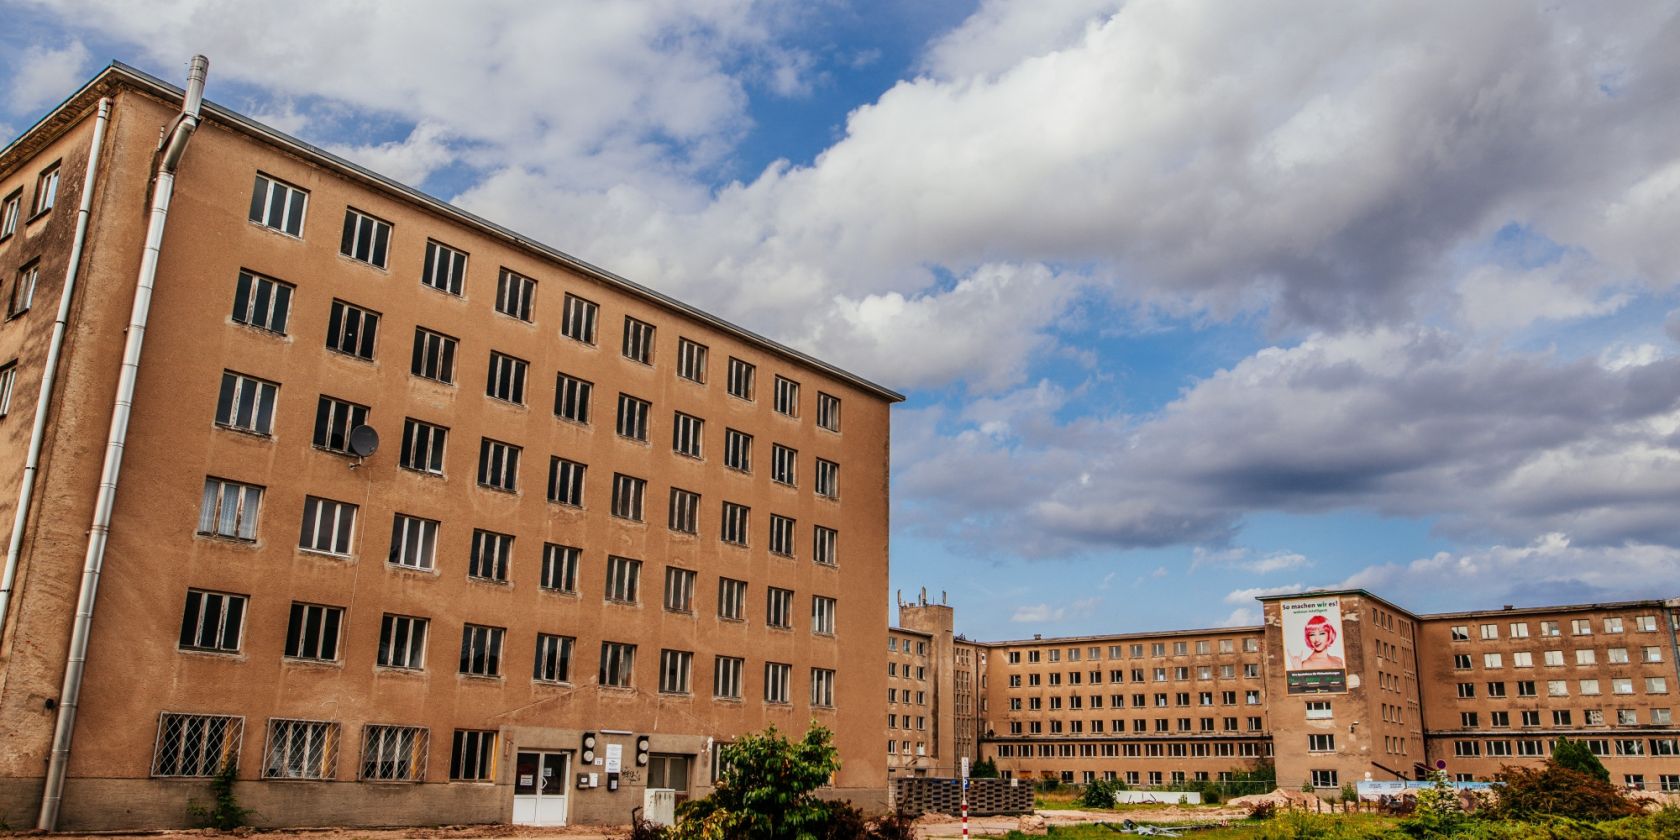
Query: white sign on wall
point(615, 757)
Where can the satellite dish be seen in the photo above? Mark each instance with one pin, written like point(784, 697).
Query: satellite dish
point(364, 441)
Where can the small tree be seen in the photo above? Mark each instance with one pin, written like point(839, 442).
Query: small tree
point(1439, 811)
point(985, 768)
point(767, 790)
point(1099, 793)
point(1576, 756)
point(1555, 790)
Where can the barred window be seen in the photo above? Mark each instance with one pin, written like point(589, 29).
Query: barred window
point(726, 677)
point(554, 658)
point(481, 650)
point(506, 378)
point(737, 450)
point(741, 375)
point(245, 403)
point(778, 608)
point(691, 361)
point(229, 509)
point(212, 621)
point(196, 745)
point(366, 239)
point(787, 396)
point(828, 479)
point(445, 268)
point(822, 615)
point(473, 756)
point(434, 356)
point(559, 567)
point(301, 749)
point(334, 418)
point(351, 330)
point(822, 688)
point(679, 589)
point(732, 599)
point(514, 294)
point(328, 526)
point(278, 205)
point(578, 320)
point(565, 481)
point(422, 446)
point(824, 543)
point(571, 398)
point(735, 518)
point(627, 496)
point(674, 668)
point(312, 632)
point(618, 664)
point(781, 535)
point(632, 417)
point(828, 411)
point(413, 542)
point(491, 553)
point(638, 340)
point(498, 465)
point(687, 434)
point(402, 642)
point(262, 302)
point(624, 577)
point(783, 464)
point(776, 682)
point(685, 511)
point(394, 753)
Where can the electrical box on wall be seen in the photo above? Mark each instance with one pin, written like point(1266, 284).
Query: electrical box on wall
point(612, 782)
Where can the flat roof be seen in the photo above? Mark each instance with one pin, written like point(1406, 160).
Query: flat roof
point(70, 111)
point(907, 631)
point(1115, 637)
point(1660, 604)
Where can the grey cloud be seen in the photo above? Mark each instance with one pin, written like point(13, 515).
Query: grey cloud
point(1672, 325)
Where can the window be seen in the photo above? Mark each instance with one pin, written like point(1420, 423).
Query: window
point(741, 375)
point(679, 590)
point(1461, 632)
point(1549, 628)
point(691, 361)
point(498, 465)
point(394, 753)
point(197, 745)
point(312, 632)
point(633, 417)
point(822, 615)
point(1589, 688)
point(8, 379)
point(327, 526)
point(737, 450)
point(735, 523)
point(473, 757)
point(618, 661)
point(554, 659)
point(481, 650)
point(334, 418)
point(1651, 654)
point(1316, 709)
point(1531, 718)
point(351, 329)
point(638, 340)
point(1324, 778)
point(445, 268)
point(365, 239)
point(571, 398)
point(515, 294)
point(623, 579)
point(686, 434)
point(828, 411)
point(822, 688)
point(301, 749)
point(506, 379)
point(776, 682)
point(732, 599)
point(781, 535)
point(1321, 743)
point(1656, 685)
point(490, 555)
point(1490, 632)
point(778, 608)
point(422, 446)
point(10, 210)
point(1522, 659)
point(726, 677)
point(828, 479)
point(1580, 627)
point(578, 319)
point(1466, 691)
point(1617, 656)
point(413, 542)
point(685, 511)
point(1496, 689)
point(23, 291)
point(1646, 623)
point(1627, 717)
point(434, 356)
point(1586, 656)
point(559, 567)
point(262, 302)
point(787, 397)
point(674, 668)
point(1519, 629)
point(783, 464)
point(212, 621)
point(565, 482)
point(1621, 685)
point(1612, 625)
point(1557, 688)
point(46, 190)
point(824, 542)
point(245, 403)
point(1493, 660)
point(278, 205)
point(627, 497)
point(1461, 661)
point(402, 642)
point(1554, 658)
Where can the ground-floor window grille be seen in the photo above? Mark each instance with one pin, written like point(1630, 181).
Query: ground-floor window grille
point(473, 757)
point(196, 745)
point(394, 753)
point(301, 749)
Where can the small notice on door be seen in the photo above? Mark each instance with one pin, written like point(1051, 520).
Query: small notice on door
point(527, 779)
point(615, 757)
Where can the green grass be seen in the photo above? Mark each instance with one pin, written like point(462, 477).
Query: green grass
point(1352, 826)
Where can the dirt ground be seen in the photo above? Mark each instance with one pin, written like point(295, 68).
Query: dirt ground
point(935, 826)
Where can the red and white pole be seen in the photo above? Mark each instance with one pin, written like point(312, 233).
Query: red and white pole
point(965, 819)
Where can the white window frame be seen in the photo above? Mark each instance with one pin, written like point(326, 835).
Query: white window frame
point(329, 526)
point(366, 238)
point(244, 404)
point(402, 642)
point(262, 302)
point(291, 197)
point(213, 514)
point(434, 356)
point(571, 398)
point(444, 268)
point(579, 319)
point(691, 360)
point(516, 294)
point(566, 481)
point(413, 542)
point(638, 340)
point(560, 568)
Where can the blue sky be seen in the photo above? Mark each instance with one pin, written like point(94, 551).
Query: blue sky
point(1192, 301)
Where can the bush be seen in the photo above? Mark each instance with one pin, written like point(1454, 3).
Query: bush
point(766, 792)
point(985, 768)
point(1576, 756)
point(1556, 790)
point(224, 811)
point(1100, 793)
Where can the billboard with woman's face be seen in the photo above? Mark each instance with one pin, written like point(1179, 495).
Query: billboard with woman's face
point(1316, 661)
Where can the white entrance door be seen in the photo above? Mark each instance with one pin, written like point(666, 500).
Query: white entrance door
point(539, 788)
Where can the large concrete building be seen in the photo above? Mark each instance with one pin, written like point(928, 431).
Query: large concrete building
point(602, 533)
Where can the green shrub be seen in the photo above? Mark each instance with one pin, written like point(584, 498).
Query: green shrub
point(1100, 793)
point(224, 811)
point(767, 791)
point(1555, 790)
point(985, 768)
point(1576, 756)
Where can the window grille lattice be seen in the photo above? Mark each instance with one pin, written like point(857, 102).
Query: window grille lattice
point(196, 745)
point(394, 753)
point(301, 749)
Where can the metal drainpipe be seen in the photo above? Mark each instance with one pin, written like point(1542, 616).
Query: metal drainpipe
point(174, 146)
point(49, 372)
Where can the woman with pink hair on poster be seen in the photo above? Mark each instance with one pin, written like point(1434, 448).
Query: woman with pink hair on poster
point(1320, 637)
